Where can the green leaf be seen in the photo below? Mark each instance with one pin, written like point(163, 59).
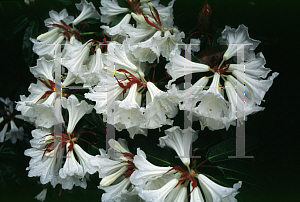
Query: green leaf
point(244, 171)
point(31, 32)
point(92, 21)
point(212, 55)
point(156, 155)
point(117, 19)
point(221, 151)
point(93, 118)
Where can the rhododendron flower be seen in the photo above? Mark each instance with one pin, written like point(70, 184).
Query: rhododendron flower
point(180, 141)
point(158, 195)
point(110, 9)
point(38, 107)
point(212, 111)
point(214, 192)
point(113, 169)
point(9, 120)
point(231, 37)
point(117, 29)
point(87, 11)
point(55, 19)
point(41, 196)
point(146, 172)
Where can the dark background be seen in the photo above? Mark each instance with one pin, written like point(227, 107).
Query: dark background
point(274, 23)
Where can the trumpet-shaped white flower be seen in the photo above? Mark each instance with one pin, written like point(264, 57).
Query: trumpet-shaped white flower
point(180, 66)
point(85, 160)
point(115, 192)
point(38, 107)
point(146, 172)
point(238, 108)
point(196, 195)
point(42, 195)
point(257, 87)
point(8, 119)
point(15, 133)
point(158, 195)
point(212, 111)
point(95, 68)
point(253, 67)
point(165, 13)
point(76, 110)
point(55, 19)
point(168, 43)
point(110, 9)
point(87, 11)
point(48, 46)
point(128, 111)
point(104, 94)
point(146, 50)
point(231, 37)
point(182, 195)
point(75, 58)
point(217, 193)
point(159, 104)
point(71, 166)
point(117, 29)
point(180, 141)
point(189, 97)
point(112, 170)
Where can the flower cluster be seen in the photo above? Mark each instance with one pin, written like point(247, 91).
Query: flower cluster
point(117, 75)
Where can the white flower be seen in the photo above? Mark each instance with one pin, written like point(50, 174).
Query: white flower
point(146, 171)
point(168, 43)
point(189, 97)
point(182, 195)
point(38, 107)
point(48, 46)
point(231, 37)
point(85, 160)
point(75, 58)
point(180, 141)
point(104, 95)
point(42, 164)
point(76, 110)
point(71, 167)
point(257, 87)
point(95, 68)
point(146, 50)
point(87, 11)
point(117, 29)
point(165, 13)
point(253, 67)
point(115, 192)
point(8, 119)
point(55, 18)
point(180, 66)
point(196, 195)
point(3, 132)
point(41, 196)
point(212, 111)
point(217, 193)
point(159, 104)
point(15, 133)
point(158, 195)
point(110, 10)
point(237, 104)
point(128, 111)
point(195, 45)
